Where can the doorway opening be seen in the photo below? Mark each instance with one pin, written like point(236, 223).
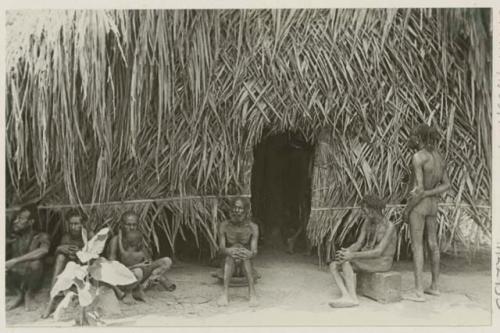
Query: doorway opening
point(281, 189)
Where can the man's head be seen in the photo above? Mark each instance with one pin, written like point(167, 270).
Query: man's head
point(372, 206)
point(423, 136)
point(25, 219)
point(239, 209)
point(129, 221)
point(74, 218)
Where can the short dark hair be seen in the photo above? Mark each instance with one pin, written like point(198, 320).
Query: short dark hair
point(427, 134)
point(245, 201)
point(372, 201)
point(74, 212)
point(128, 213)
point(31, 208)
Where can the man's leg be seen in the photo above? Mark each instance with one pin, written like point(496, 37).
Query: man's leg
point(334, 269)
point(32, 281)
point(347, 285)
point(13, 283)
point(247, 268)
point(228, 274)
point(131, 293)
point(431, 227)
point(158, 273)
point(59, 266)
point(417, 223)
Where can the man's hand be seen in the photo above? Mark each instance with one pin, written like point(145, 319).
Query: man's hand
point(10, 263)
point(344, 255)
point(68, 249)
point(416, 195)
point(240, 253)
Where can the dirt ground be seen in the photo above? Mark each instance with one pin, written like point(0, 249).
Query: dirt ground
point(294, 291)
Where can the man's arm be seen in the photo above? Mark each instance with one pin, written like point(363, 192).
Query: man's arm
point(222, 239)
point(360, 240)
point(443, 187)
point(113, 248)
point(379, 249)
point(39, 253)
point(64, 244)
point(418, 191)
point(255, 240)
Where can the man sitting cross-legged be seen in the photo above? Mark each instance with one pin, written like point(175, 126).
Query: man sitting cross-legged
point(71, 242)
point(372, 252)
point(128, 248)
point(238, 239)
point(26, 247)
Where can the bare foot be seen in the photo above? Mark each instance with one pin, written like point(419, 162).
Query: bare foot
point(18, 300)
point(167, 284)
point(416, 297)
point(432, 291)
point(29, 301)
point(128, 299)
point(254, 302)
point(343, 302)
point(48, 311)
point(223, 301)
point(138, 294)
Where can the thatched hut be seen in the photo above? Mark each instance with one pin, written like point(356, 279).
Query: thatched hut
point(306, 110)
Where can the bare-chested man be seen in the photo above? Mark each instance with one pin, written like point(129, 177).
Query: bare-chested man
point(238, 240)
point(128, 248)
point(373, 251)
point(71, 242)
point(24, 267)
point(431, 180)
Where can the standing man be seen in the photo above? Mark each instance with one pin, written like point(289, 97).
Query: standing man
point(238, 240)
point(24, 265)
point(127, 247)
point(71, 242)
point(431, 180)
point(373, 251)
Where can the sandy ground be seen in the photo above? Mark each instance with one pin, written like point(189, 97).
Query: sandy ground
point(294, 291)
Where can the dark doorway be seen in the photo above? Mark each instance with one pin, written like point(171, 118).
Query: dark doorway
point(281, 187)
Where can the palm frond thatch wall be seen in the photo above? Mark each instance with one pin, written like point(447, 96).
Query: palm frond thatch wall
point(121, 105)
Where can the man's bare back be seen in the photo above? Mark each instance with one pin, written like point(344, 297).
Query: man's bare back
point(432, 168)
point(431, 181)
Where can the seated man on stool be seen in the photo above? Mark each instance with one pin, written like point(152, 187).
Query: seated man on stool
point(372, 252)
point(238, 239)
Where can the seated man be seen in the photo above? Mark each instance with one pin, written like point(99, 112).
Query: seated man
point(238, 239)
point(128, 248)
point(372, 252)
point(24, 265)
point(71, 242)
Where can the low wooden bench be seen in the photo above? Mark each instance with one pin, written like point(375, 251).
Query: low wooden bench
point(382, 287)
point(236, 281)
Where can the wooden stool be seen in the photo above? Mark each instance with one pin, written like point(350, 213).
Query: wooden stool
point(236, 280)
point(383, 287)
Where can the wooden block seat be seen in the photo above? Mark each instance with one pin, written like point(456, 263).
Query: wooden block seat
point(238, 280)
point(383, 287)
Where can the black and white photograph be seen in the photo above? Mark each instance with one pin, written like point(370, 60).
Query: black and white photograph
point(249, 167)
